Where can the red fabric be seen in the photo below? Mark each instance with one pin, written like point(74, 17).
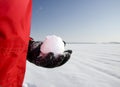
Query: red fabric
point(15, 18)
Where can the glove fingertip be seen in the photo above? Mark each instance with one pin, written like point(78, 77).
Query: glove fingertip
point(51, 54)
point(69, 51)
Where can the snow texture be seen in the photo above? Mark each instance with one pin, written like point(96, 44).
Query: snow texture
point(52, 44)
point(91, 65)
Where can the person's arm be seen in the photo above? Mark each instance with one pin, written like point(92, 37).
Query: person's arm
point(48, 61)
point(15, 23)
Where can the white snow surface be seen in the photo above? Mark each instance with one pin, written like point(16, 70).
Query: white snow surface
point(91, 65)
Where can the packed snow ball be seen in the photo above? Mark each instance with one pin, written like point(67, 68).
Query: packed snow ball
point(53, 44)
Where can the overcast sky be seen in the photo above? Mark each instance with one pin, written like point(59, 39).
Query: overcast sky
point(76, 20)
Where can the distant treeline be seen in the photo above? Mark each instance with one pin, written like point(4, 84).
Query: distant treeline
point(112, 43)
point(80, 42)
point(93, 43)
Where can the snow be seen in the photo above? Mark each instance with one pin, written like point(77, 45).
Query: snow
point(91, 65)
point(53, 44)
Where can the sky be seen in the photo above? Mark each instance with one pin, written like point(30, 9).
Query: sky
point(76, 20)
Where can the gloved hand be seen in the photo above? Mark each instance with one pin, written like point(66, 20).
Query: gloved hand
point(48, 61)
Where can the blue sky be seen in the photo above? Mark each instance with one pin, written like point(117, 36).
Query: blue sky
point(76, 20)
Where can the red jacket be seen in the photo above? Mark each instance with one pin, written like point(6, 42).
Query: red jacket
point(15, 17)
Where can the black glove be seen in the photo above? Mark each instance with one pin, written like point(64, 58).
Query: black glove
point(48, 61)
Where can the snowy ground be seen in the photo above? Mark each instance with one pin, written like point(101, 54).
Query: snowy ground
point(91, 65)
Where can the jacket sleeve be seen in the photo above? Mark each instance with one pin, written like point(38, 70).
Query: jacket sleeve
point(15, 21)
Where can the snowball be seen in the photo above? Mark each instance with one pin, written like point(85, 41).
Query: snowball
point(52, 44)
